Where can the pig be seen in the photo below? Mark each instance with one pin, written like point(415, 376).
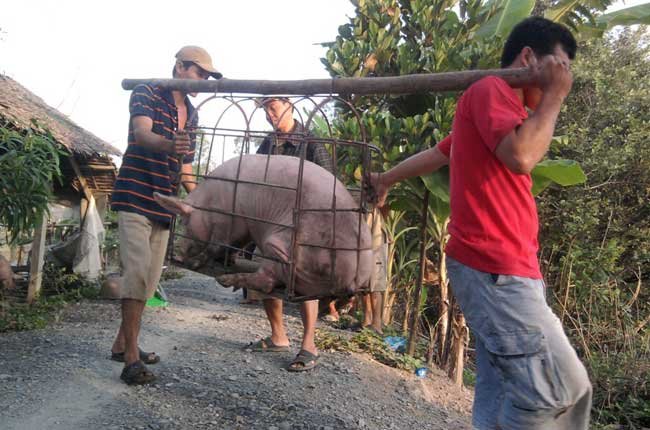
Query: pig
point(6, 275)
point(351, 270)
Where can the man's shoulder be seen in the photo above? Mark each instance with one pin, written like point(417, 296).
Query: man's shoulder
point(264, 146)
point(487, 92)
point(489, 83)
point(154, 93)
point(145, 88)
point(489, 86)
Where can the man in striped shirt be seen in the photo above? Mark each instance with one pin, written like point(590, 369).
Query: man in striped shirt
point(159, 150)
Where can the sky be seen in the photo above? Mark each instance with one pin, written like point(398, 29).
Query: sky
point(74, 54)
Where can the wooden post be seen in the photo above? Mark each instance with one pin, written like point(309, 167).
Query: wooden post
point(36, 261)
point(406, 84)
point(415, 315)
point(88, 195)
point(84, 203)
point(101, 203)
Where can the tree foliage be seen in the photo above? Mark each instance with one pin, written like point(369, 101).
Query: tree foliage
point(594, 238)
point(29, 163)
point(397, 37)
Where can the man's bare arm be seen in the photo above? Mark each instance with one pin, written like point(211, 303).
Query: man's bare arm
point(524, 147)
point(187, 177)
point(145, 137)
point(420, 164)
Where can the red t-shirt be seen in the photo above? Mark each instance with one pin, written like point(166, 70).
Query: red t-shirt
point(493, 224)
point(444, 146)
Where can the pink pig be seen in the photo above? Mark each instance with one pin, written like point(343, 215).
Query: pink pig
point(314, 277)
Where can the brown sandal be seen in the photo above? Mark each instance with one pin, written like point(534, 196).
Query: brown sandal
point(146, 357)
point(266, 345)
point(304, 361)
point(137, 374)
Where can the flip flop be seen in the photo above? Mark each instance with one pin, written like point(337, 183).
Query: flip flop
point(303, 362)
point(137, 374)
point(330, 318)
point(267, 345)
point(146, 357)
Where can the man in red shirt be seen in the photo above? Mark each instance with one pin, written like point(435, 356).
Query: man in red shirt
point(529, 376)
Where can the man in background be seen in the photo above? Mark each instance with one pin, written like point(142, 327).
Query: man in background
point(286, 140)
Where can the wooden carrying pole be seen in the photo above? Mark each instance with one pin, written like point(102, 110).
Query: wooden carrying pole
point(407, 84)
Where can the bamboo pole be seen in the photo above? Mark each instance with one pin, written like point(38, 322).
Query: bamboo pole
point(407, 84)
point(415, 314)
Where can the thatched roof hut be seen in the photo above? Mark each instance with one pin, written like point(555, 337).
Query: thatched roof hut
point(89, 162)
point(88, 172)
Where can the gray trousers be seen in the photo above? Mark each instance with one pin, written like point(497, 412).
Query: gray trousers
point(528, 375)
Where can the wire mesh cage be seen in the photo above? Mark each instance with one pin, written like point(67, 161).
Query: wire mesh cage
point(309, 224)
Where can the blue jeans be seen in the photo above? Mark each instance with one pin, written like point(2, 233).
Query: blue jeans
point(528, 375)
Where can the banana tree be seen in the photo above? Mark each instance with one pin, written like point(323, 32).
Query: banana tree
point(32, 159)
point(401, 263)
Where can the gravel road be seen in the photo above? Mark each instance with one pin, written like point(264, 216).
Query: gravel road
point(61, 377)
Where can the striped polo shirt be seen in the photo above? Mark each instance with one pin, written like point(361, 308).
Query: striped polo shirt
point(144, 171)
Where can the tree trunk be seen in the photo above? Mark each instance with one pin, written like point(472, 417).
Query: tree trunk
point(457, 345)
point(417, 298)
point(389, 301)
point(407, 312)
point(432, 346)
point(443, 309)
point(389, 294)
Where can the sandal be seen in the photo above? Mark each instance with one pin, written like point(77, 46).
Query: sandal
point(330, 318)
point(146, 357)
point(267, 345)
point(137, 374)
point(304, 361)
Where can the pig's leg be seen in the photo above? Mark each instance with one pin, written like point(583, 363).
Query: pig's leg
point(263, 280)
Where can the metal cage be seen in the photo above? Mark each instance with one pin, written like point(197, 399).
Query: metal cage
point(212, 139)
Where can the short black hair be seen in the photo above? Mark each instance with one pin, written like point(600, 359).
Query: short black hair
point(541, 35)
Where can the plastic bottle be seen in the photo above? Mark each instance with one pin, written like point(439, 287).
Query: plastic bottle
point(421, 372)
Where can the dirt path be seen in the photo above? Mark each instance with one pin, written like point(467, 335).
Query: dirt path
point(61, 378)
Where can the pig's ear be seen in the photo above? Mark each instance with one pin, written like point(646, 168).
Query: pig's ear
point(173, 204)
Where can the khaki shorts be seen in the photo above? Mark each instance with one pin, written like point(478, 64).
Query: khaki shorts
point(379, 279)
point(143, 244)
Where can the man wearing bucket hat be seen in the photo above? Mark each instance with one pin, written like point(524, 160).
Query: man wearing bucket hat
point(159, 149)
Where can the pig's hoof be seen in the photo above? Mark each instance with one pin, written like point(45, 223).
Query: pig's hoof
point(227, 281)
point(223, 281)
